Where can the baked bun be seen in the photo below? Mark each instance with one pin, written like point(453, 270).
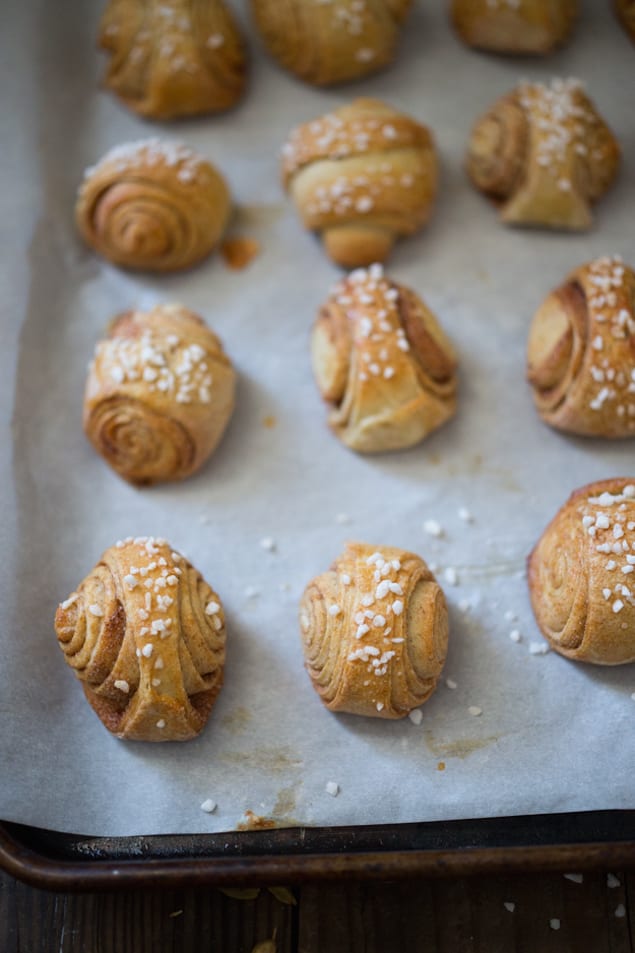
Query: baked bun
point(625, 10)
point(361, 177)
point(173, 58)
point(153, 205)
point(514, 26)
point(375, 632)
point(544, 154)
point(145, 635)
point(581, 352)
point(159, 394)
point(581, 581)
point(383, 363)
point(326, 43)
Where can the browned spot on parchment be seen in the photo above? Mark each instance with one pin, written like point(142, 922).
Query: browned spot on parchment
point(258, 214)
point(460, 748)
point(254, 822)
point(285, 802)
point(271, 760)
point(237, 721)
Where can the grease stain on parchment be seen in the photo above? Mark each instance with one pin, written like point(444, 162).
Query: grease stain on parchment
point(271, 760)
point(461, 748)
point(237, 721)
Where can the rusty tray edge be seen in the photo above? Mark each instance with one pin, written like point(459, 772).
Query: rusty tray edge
point(575, 841)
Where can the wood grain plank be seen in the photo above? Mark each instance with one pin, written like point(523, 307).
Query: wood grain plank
point(172, 921)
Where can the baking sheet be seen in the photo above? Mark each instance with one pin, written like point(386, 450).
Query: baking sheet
point(553, 736)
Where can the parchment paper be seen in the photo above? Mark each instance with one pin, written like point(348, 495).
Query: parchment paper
point(553, 735)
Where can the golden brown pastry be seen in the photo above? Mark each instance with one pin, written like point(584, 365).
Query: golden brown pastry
point(374, 631)
point(625, 10)
point(544, 154)
point(581, 581)
point(382, 361)
point(581, 352)
point(514, 26)
point(361, 176)
point(159, 394)
point(172, 58)
point(330, 41)
point(153, 205)
point(145, 635)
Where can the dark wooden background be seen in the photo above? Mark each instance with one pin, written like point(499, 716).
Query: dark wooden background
point(430, 916)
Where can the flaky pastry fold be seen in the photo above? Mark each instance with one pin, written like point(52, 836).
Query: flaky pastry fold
point(145, 635)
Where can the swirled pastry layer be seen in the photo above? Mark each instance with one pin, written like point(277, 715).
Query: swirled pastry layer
point(145, 635)
point(159, 394)
point(375, 632)
point(625, 10)
point(581, 575)
point(514, 26)
point(153, 205)
point(545, 154)
point(361, 177)
point(382, 361)
point(581, 352)
point(172, 58)
point(326, 43)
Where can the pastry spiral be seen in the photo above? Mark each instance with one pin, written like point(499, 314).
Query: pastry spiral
point(625, 10)
point(382, 361)
point(153, 205)
point(375, 632)
point(361, 176)
point(327, 43)
point(544, 154)
point(173, 58)
point(145, 635)
point(159, 394)
point(581, 581)
point(581, 352)
point(514, 26)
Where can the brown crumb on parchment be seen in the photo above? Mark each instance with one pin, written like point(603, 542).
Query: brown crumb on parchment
point(239, 252)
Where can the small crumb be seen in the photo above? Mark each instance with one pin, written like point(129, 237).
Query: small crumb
point(161, 723)
point(441, 766)
point(208, 806)
point(574, 878)
point(332, 788)
point(465, 515)
point(538, 648)
point(269, 421)
point(510, 906)
point(620, 910)
point(612, 881)
point(450, 683)
point(515, 635)
point(554, 923)
point(268, 544)
point(239, 252)
point(474, 711)
point(451, 576)
point(415, 716)
point(433, 528)
point(343, 519)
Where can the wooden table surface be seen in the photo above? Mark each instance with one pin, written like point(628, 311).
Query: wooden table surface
point(532, 913)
